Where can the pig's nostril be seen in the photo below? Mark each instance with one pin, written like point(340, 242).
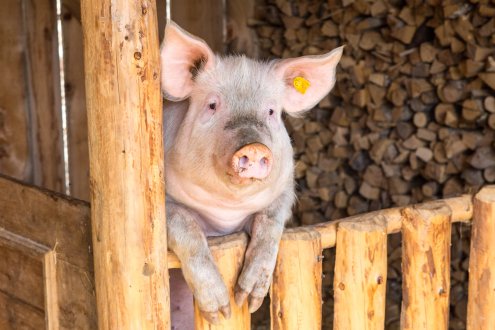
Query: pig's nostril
point(244, 162)
point(252, 161)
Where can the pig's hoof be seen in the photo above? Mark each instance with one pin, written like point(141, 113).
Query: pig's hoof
point(254, 303)
point(214, 318)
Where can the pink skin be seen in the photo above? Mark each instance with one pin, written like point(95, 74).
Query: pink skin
point(229, 163)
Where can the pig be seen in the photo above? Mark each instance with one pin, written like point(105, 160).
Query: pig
point(229, 163)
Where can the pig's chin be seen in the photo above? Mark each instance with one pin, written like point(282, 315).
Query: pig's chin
point(238, 181)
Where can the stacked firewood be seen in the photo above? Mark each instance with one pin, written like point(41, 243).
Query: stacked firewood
point(412, 116)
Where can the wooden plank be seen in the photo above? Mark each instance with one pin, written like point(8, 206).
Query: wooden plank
point(14, 123)
point(43, 75)
point(240, 37)
point(75, 297)
point(161, 11)
point(360, 274)
point(50, 285)
point(295, 293)
point(205, 19)
point(21, 275)
point(45, 256)
point(36, 213)
point(228, 253)
point(481, 297)
point(75, 97)
point(124, 104)
point(426, 233)
point(74, 7)
point(18, 315)
point(462, 211)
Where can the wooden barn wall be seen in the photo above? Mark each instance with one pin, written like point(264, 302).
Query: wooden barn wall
point(30, 123)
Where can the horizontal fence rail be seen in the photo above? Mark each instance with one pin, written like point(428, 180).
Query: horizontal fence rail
point(462, 211)
point(360, 278)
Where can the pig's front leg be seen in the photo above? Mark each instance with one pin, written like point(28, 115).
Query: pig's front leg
point(261, 255)
point(187, 240)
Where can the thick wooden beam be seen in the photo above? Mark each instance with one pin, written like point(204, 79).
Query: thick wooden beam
point(481, 298)
point(426, 233)
point(124, 106)
point(360, 274)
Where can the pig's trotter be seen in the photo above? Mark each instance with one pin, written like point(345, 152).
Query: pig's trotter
point(187, 240)
point(261, 256)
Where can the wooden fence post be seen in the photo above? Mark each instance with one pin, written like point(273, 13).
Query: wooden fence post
point(228, 253)
point(426, 266)
point(296, 288)
point(360, 274)
point(481, 298)
point(126, 163)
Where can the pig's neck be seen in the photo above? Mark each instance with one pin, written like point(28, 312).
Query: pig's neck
point(219, 215)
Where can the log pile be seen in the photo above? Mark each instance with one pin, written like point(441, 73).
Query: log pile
point(412, 116)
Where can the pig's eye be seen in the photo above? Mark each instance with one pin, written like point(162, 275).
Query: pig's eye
point(212, 106)
point(271, 112)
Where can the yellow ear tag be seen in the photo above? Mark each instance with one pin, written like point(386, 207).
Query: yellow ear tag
point(301, 84)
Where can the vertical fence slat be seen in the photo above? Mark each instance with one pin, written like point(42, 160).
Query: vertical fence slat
point(296, 288)
point(360, 275)
point(481, 298)
point(124, 105)
point(426, 266)
point(228, 253)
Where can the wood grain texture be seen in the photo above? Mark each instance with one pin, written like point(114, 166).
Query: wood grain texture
point(426, 234)
point(360, 274)
point(124, 105)
point(43, 76)
point(462, 211)
point(75, 98)
point(481, 297)
point(45, 260)
point(228, 253)
point(14, 121)
point(296, 288)
point(240, 37)
point(204, 19)
point(50, 219)
point(16, 314)
point(461, 207)
point(21, 274)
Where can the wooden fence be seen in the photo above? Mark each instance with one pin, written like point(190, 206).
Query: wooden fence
point(127, 193)
point(361, 268)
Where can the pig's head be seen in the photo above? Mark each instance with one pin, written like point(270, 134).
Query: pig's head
point(232, 136)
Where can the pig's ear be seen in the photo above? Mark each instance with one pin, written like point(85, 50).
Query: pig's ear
point(307, 79)
point(182, 56)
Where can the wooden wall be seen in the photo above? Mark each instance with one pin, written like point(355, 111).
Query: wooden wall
point(31, 147)
point(30, 123)
point(31, 138)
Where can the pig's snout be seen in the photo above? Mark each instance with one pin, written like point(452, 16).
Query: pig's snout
point(253, 161)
